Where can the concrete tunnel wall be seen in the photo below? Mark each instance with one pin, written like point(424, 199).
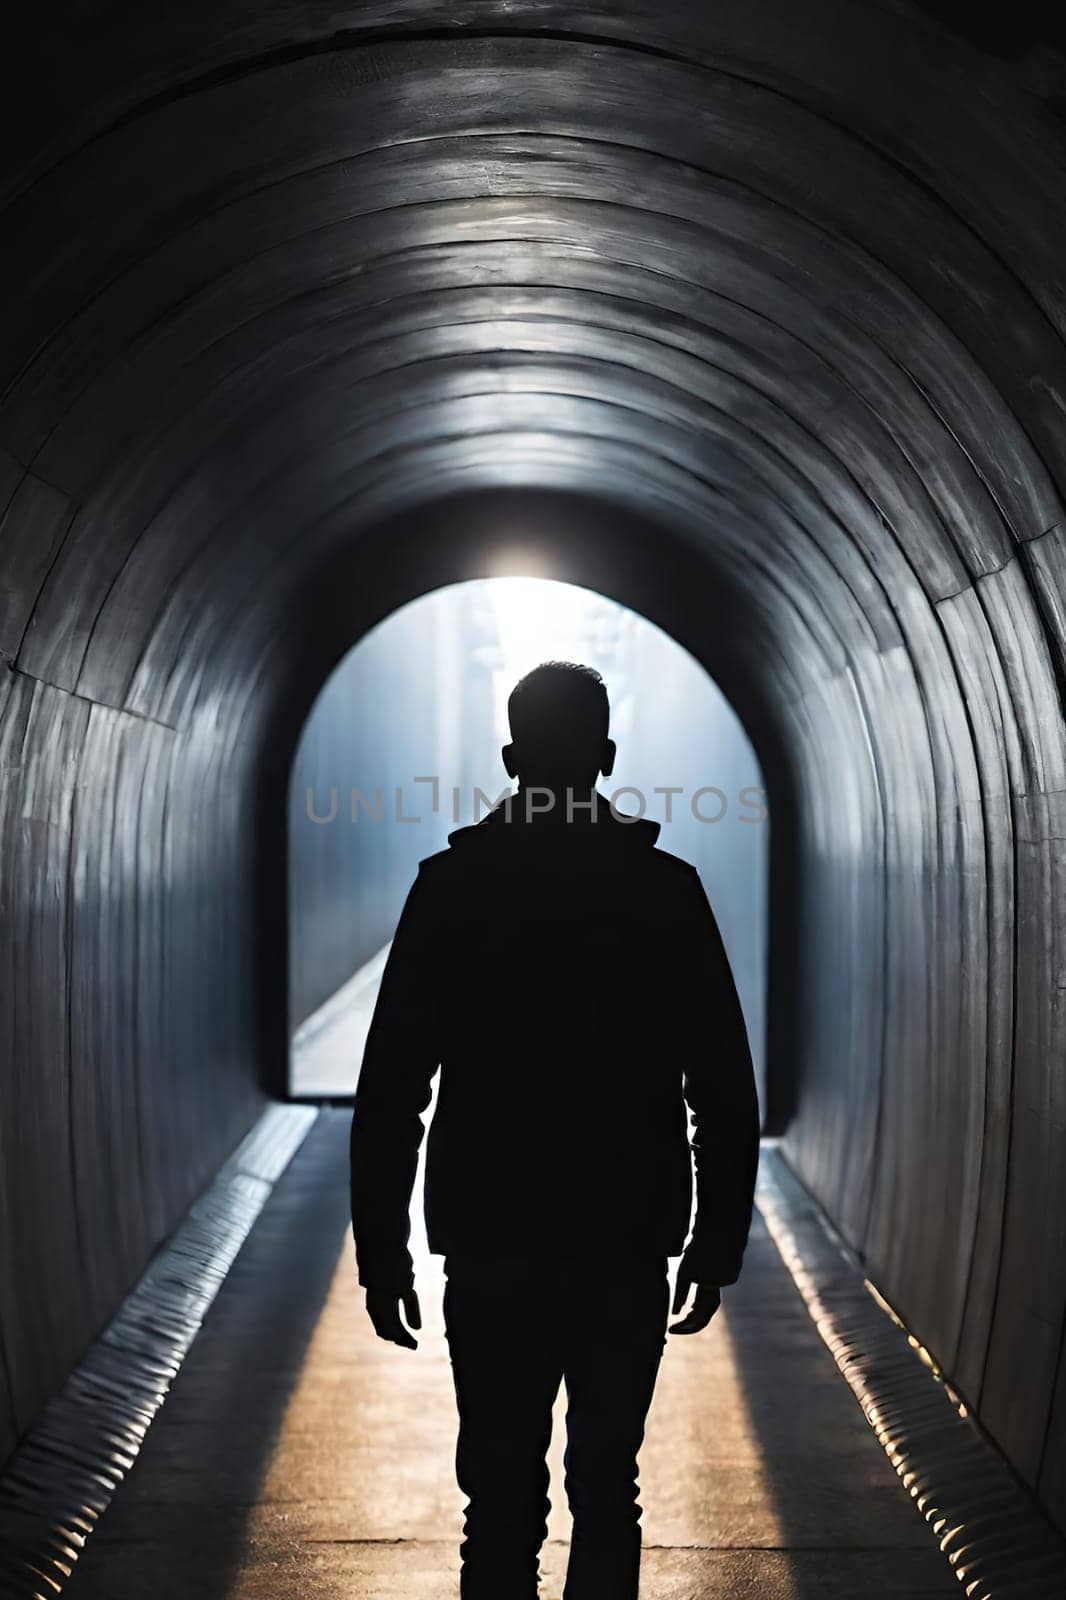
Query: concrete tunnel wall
point(771, 298)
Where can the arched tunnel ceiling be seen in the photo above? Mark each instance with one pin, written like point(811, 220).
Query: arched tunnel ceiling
point(600, 248)
point(786, 283)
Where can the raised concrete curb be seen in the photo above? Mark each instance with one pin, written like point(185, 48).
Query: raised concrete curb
point(996, 1538)
point(67, 1468)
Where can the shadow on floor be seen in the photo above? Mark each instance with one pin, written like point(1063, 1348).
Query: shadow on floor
point(297, 1455)
point(179, 1524)
point(843, 1519)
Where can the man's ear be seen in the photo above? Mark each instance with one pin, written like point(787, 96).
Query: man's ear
point(610, 750)
point(509, 761)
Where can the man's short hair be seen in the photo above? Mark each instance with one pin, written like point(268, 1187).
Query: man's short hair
point(559, 713)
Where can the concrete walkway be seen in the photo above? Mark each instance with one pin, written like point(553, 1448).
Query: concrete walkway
point(328, 1046)
point(297, 1455)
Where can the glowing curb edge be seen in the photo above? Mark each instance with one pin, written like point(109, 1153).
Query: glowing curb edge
point(999, 1543)
point(65, 1471)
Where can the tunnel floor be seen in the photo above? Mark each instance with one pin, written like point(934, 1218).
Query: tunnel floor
point(297, 1454)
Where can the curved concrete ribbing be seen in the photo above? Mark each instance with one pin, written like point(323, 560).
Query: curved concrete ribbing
point(775, 307)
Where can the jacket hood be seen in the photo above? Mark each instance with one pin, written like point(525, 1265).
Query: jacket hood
point(507, 818)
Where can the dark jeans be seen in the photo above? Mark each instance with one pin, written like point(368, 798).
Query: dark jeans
point(516, 1329)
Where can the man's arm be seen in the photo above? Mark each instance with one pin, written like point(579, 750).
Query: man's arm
point(720, 1091)
point(394, 1089)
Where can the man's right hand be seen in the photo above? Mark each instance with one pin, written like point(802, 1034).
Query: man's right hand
point(383, 1308)
point(705, 1302)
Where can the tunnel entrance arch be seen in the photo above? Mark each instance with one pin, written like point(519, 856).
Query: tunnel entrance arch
point(402, 745)
point(647, 566)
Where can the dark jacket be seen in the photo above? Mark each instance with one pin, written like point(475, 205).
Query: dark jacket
point(571, 983)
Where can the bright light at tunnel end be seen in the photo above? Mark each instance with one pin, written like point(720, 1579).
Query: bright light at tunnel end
point(517, 563)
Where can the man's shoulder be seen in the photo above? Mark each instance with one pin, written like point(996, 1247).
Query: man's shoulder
point(466, 847)
point(445, 865)
point(431, 867)
point(676, 867)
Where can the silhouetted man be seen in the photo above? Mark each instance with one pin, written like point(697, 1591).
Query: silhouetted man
point(570, 981)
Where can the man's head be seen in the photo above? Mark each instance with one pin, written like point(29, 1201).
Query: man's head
point(559, 716)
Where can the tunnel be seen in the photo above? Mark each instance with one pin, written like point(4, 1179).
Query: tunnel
point(750, 318)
